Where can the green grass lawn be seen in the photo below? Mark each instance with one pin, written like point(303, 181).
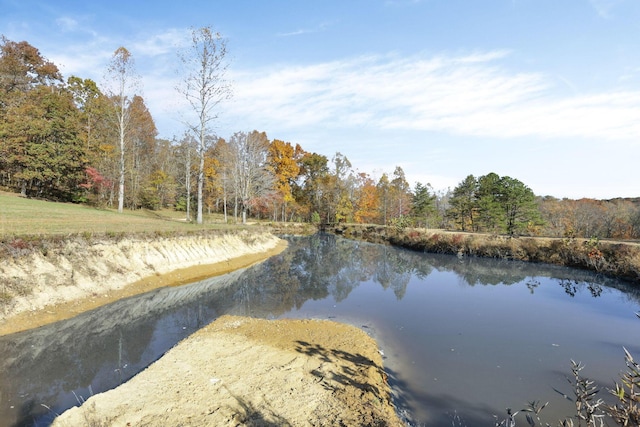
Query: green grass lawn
point(21, 216)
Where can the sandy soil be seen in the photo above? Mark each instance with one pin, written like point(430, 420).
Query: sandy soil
point(248, 372)
point(235, 372)
point(77, 280)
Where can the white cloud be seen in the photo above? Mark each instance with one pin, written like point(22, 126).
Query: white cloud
point(321, 27)
point(163, 43)
point(468, 95)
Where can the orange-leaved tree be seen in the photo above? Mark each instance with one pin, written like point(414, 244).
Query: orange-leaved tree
point(282, 160)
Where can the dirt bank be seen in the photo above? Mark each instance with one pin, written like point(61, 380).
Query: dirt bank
point(79, 275)
point(248, 372)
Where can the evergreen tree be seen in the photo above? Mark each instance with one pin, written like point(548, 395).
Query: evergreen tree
point(423, 207)
point(463, 204)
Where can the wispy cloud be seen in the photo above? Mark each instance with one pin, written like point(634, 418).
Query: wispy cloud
point(473, 94)
point(67, 23)
point(163, 43)
point(321, 27)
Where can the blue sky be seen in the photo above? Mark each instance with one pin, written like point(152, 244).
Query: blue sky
point(544, 91)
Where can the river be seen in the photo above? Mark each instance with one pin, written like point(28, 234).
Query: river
point(463, 338)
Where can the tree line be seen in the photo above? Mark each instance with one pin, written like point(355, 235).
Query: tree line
point(72, 140)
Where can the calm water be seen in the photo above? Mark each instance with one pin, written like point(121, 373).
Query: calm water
point(462, 338)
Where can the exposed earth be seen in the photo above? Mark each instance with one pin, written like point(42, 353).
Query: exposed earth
point(235, 372)
point(80, 276)
point(240, 371)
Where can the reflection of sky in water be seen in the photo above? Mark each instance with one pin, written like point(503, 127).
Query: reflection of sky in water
point(450, 347)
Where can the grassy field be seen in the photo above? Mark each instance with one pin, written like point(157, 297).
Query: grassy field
point(20, 216)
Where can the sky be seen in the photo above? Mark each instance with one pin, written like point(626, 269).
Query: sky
point(543, 91)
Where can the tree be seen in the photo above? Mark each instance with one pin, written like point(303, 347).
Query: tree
point(367, 202)
point(122, 80)
point(183, 155)
point(519, 206)
point(339, 190)
point(142, 151)
point(204, 65)
point(400, 194)
point(313, 171)
point(489, 198)
point(493, 203)
point(463, 204)
point(423, 204)
point(41, 143)
point(90, 103)
point(251, 175)
point(22, 70)
point(283, 162)
point(383, 190)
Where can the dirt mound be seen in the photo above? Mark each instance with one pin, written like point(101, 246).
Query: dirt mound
point(248, 372)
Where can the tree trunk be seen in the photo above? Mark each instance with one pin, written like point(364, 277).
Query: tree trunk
point(121, 177)
point(187, 179)
point(200, 184)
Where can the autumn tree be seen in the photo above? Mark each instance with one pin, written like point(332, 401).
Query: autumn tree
point(141, 156)
point(282, 159)
point(366, 200)
point(39, 125)
point(91, 104)
point(121, 81)
point(309, 188)
point(41, 144)
point(161, 185)
point(23, 68)
point(204, 65)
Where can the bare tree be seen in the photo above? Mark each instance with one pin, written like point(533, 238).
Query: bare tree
point(204, 65)
point(251, 175)
point(122, 80)
point(186, 149)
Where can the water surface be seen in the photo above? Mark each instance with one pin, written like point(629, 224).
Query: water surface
point(463, 338)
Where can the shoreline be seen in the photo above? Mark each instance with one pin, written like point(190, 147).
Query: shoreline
point(266, 372)
point(334, 369)
point(67, 301)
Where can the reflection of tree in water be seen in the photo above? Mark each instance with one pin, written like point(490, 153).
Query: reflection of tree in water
point(393, 269)
point(95, 347)
point(572, 287)
point(321, 266)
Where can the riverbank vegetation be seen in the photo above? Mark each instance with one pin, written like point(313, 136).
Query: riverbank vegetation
point(612, 258)
point(59, 142)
